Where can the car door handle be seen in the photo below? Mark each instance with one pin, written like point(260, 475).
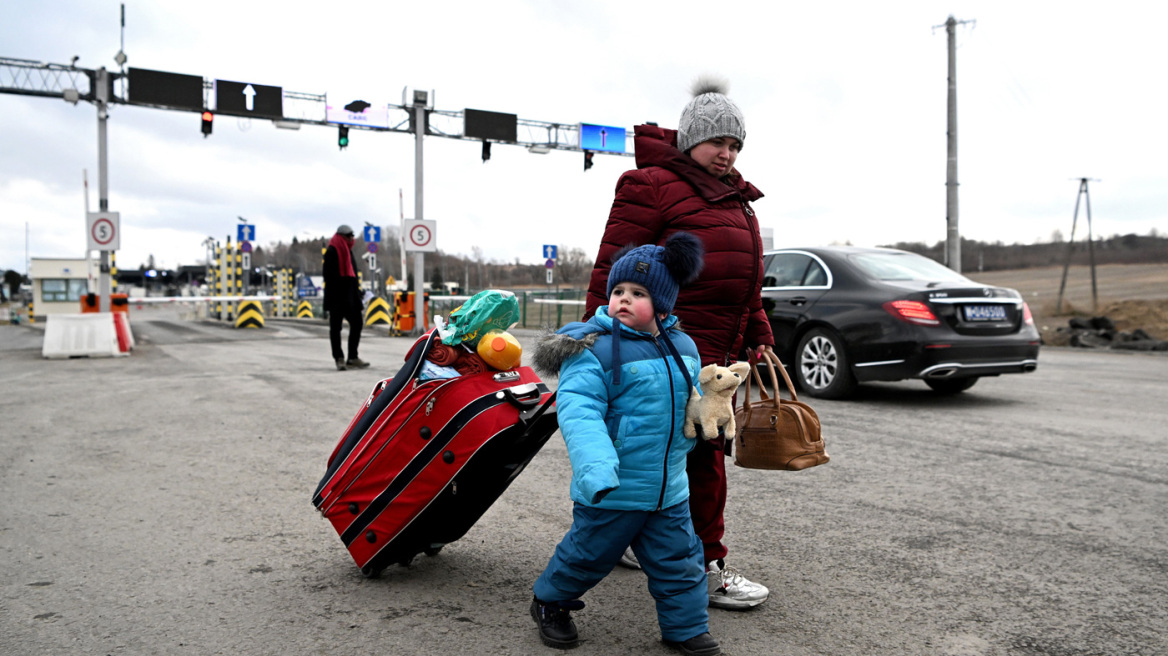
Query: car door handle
point(798, 300)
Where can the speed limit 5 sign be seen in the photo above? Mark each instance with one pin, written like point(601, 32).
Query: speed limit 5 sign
point(104, 231)
point(420, 235)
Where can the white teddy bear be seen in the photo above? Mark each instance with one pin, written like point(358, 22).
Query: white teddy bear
point(714, 407)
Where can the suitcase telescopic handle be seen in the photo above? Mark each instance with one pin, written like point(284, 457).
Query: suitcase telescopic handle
point(523, 397)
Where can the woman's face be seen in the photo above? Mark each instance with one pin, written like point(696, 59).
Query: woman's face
point(716, 155)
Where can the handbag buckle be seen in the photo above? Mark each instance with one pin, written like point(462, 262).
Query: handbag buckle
point(774, 420)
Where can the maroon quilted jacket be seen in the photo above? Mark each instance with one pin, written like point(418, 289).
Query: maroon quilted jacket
point(722, 311)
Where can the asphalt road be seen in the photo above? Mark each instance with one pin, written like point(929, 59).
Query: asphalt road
point(160, 504)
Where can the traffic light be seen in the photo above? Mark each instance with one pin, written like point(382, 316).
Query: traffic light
point(486, 150)
point(208, 117)
point(342, 137)
point(588, 159)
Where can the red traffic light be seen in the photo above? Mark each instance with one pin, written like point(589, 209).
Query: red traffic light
point(208, 117)
point(588, 159)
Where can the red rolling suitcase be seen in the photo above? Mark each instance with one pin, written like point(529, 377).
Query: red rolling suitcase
point(422, 460)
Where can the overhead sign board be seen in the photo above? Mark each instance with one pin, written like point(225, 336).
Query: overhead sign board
point(174, 90)
point(374, 116)
point(104, 231)
point(420, 236)
point(496, 126)
point(605, 138)
point(247, 99)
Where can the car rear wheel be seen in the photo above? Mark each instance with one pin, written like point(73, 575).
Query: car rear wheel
point(822, 367)
point(951, 385)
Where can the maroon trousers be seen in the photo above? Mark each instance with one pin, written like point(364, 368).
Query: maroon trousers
point(706, 467)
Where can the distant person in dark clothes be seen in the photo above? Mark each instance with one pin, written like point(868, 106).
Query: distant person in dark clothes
point(343, 298)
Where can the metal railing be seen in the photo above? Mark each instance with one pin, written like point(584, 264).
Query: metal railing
point(537, 309)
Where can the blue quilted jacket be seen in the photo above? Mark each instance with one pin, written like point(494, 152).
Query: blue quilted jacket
point(621, 406)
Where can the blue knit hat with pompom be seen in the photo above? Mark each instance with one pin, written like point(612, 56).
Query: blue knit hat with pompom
point(660, 269)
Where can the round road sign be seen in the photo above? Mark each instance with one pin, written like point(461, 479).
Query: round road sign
point(103, 232)
point(371, 247)
point(420, 236)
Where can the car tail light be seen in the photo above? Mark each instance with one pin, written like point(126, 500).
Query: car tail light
point(912, 312)
point(1027, 318)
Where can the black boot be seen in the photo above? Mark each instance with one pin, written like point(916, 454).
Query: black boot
point(554, 620)
point(699, 645)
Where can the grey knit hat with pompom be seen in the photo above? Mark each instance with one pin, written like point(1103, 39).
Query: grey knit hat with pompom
point(709, 115)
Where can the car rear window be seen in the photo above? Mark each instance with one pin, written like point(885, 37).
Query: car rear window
point(904, 266)
point(793, 270)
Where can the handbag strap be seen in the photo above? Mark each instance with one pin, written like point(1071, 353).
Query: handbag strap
point(772, 364)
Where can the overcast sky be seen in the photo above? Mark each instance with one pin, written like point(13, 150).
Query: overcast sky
point(845, 107)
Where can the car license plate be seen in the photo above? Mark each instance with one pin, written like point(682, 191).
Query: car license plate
point(985, 312)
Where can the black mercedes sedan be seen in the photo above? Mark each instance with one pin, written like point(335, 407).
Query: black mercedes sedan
point(844, 315)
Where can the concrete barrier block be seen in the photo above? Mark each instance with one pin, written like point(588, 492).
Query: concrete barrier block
point(81, 335)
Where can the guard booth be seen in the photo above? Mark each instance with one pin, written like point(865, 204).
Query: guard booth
point(59, 284)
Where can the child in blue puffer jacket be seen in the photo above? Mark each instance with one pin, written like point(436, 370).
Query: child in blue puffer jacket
point(625, 378)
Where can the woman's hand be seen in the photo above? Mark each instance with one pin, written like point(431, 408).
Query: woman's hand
point(763, 348)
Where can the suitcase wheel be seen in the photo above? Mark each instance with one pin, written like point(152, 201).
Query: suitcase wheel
point(433, 549)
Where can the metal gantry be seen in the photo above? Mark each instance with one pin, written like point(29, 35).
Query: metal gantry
point(102, 88)
point(72, 83)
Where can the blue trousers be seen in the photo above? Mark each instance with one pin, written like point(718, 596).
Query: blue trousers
point(664, 542)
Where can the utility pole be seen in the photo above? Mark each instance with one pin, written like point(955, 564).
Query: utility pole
point(1082, 195)
point(952, 233)
point(421, 98)
point(103, 87)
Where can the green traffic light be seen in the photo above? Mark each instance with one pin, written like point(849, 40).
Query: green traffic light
point(343, 137)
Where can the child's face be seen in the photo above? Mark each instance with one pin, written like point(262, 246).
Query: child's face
point(716, 155)
point(632, 304)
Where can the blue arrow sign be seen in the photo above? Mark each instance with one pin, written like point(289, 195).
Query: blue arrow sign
point(245, 232)
point(549, 251)
point(372, 234)
point(602, 137)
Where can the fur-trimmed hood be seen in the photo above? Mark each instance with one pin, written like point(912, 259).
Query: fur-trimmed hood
point(552, 348)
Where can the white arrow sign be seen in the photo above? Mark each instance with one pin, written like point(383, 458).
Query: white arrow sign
point(250, 93)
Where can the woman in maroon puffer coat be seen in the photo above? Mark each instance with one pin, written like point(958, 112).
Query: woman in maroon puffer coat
point(686, 180)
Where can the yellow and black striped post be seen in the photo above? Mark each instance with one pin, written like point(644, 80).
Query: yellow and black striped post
point(250, 315)
point(377, 314)
point(31, 316)
point(113, 272)
point(304, 310)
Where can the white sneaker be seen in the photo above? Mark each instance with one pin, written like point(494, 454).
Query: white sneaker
point(730, 590)
point(629, 559)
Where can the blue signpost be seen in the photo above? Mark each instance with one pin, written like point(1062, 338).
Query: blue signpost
point(245, 232)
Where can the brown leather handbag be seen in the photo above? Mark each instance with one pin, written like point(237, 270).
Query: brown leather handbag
point(774, 433)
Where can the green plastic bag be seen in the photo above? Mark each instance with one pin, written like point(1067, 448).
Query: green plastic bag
point(490, 309)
